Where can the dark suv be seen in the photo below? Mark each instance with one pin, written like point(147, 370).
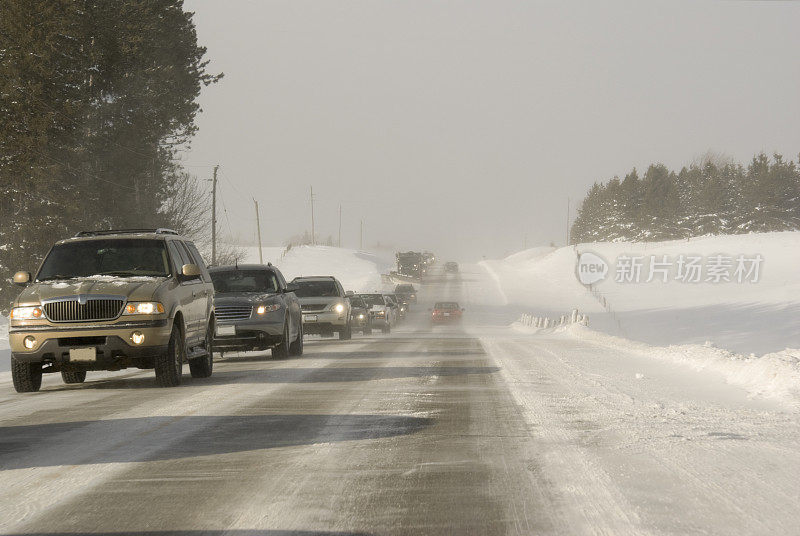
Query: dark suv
point(255, 310)
point(109, 300)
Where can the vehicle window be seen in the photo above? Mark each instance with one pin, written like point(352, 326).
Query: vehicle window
point(312, 289)
point(115, 257)
point(446, 305)
point(177, 258)
point(373, 299)
point(355, 301)
point(198, 260)
point(244, 281)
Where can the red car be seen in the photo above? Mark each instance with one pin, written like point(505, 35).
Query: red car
point(446, 313)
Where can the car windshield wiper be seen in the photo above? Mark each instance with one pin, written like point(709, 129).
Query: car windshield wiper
point(120, 273)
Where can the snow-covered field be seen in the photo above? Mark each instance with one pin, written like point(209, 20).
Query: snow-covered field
point(749, 317)
point(359, 271)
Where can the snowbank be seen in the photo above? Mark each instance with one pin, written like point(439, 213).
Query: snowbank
point(749, 317)
point(773, 375)
point(358, 271)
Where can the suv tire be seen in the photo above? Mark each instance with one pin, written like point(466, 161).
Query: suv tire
point(296, 348)
point(281, 350)
point(386, 329)
point(73, 376)
point(169, 365)
point(368, 329)
point(202, 367)
point(346, 333)
point(27, 377)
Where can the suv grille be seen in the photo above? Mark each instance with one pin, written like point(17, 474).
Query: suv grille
point(92, 310)
point(231, 313)
point(314, 306)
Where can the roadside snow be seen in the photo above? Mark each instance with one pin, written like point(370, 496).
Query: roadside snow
point(774, 375)
point(747, 317)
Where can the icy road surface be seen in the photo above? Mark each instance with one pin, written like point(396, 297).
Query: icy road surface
point(463, 430)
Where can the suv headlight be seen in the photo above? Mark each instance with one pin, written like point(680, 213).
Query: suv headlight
point(339, 307)
point(264, 309)
point(26, 313)
point(143, 308)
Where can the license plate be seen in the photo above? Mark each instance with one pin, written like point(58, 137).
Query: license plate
point(226, 330)
point(309, 318)
point(447, 314)
point(82, 355)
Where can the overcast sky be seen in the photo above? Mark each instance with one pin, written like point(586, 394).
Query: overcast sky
point(462, 127)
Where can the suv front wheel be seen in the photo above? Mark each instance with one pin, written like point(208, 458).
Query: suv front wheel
point(169, 366)
point(27, 377)
point(202, 367)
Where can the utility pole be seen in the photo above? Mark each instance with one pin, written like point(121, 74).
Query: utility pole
point(214, 218)
point(340, 225)
point(361, 239)
point(568, 221)
point(313, 236)
point(258, 225)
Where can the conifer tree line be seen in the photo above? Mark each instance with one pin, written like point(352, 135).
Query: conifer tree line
point(96, 97)
point(712, 196)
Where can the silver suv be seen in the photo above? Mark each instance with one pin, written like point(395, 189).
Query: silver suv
point(325, 305)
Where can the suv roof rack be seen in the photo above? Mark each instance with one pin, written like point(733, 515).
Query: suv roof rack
point(160, 230)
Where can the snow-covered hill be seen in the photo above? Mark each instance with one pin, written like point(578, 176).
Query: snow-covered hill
point(750, 316)
point(358, 271)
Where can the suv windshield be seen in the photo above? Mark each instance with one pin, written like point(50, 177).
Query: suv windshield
point(373, 299)
point(446, 305)
point(357, 302)
point(404, 288)
point(311, 289)
point(117, 257)
point(244, 281)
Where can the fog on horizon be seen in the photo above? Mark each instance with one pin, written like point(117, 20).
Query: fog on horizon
point(464, 127)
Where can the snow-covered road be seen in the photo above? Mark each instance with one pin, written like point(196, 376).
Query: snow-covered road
point(473, 429)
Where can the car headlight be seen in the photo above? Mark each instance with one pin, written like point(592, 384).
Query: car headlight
point(143, 308)
point(269, 308)
point(361, 317)
point(339, 308)
point(26, 313)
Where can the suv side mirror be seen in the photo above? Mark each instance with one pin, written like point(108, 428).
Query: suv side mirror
point(291, 287)
point(190, 271)
point(22, 278)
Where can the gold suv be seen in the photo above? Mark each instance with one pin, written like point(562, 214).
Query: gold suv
point(109, 300)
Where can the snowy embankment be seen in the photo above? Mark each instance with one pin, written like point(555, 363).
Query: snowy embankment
point(774, 375)
point(358, 271)
point(746, 317)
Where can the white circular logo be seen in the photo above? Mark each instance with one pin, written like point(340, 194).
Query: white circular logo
point(591, 268)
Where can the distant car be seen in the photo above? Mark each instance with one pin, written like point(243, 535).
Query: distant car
point(383, 314)
point(451, 267)
point(325, 305)
point(401, 306)
point(406, 292)
point(446, 313)
point(256, 310)
point(361, 317)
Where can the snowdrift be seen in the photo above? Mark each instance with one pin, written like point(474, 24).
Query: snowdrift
point(773, 375)
point(748, 317)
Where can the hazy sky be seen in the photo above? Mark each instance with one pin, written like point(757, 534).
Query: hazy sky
point(461, 127)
